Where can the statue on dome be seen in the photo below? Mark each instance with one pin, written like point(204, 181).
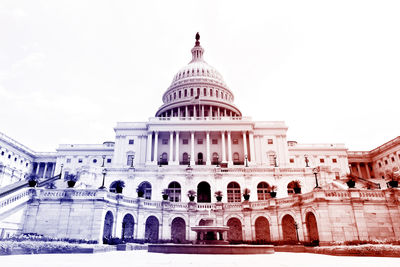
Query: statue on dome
point(197, 36)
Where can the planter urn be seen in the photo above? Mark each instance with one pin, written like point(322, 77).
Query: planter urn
point(71, 184)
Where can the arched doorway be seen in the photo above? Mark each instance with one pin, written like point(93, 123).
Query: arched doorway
point(164, 159)
point(174, 192)
point(203, 192)
point(233, 192)
point(263, 190)
point(152, 228)
point(200, 158)
point(235, 230)
point(236, 159)
point(215, 159)
point(312, 228)
point(262, 230)
point(294, 187)
point(108, 226)
point(145, 187)
point(185, 158)
point(128, 224)
point(289, 229)
point(178, 230)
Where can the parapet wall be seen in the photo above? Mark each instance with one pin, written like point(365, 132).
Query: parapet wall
point(340, 215)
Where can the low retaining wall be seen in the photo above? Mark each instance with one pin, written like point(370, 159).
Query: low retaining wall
point(211, 249)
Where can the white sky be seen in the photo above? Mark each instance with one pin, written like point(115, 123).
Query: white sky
point(69, 70)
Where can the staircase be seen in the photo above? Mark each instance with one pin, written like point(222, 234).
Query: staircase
point(13, 200)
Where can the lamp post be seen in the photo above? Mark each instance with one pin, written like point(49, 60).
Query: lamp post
point(189, 161)
point(104, 172)
point(306, 160)
point(132, 157)
point(315, 171)
point(62, 166)
point(245, 158)
point(276, 165)
point(104, 157)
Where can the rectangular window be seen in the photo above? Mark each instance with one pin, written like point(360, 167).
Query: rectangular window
point(334, 160)
point(191, 92)
point(205, 92)
point(270, 141)
point(130, 160)
point(321, 160)
point(185, 141)
point(199, 141)
point(174, 95)
point(185, 92)
point(386, 162)
point(337, 175)
point(108, 160)
point(291, 160)
point(214, 141)
point(180, 94)
point(235, 141)
point(392, 159)
point(131, 141)
point(80, 160)
point(380, 165)
point(211, 94)
point(68, 160)
point(165, 141)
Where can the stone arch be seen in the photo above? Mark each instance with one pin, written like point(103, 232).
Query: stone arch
point(152, 229)
point(203, 192)
point(312, 228)
point(146, 188)
point(262, 229)
point(128, 225)
point(235, 234)
point(108, 227)
point(178, 230)
point(294, 187)
point(289, 229)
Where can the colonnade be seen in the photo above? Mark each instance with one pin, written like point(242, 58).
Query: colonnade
point(359, 170)
point(47, 166)
point(152, 155)
point(198, 111)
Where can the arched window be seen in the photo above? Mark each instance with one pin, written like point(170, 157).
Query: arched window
point(233, 192)
point(216, 93)
point(185, 158)
point(294, 188)
point(236, 159)
point(146, 188)
point(164, 159)
point(185, 92)
point(174, 190)
point(263, 190)
point(215, 158)
point(205, 92)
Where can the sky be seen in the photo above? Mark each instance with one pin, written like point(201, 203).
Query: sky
point(70, 70)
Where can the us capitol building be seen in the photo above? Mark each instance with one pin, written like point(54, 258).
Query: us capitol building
point(199, 141)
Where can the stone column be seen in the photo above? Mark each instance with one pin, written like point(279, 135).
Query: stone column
point(171, 148)
point(202, 111)
point(225, 112)
point(218, 114)
point(179, 112)
point(223, 146)
point(367, 169)
point(155, 147)
point(251, 143)
point(177, 148)
point(208, 161)
point(45, 169)
point(245, 147)
point(149, 141)
point(37, 168)
point(194, 111)
point(192, 149)
point(210, 115)
point(359, 170)
point(186, 112)
point(230, 162)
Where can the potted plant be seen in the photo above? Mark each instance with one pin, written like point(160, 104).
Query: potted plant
point(218, 195)
point(273, 191)
point(32, 180)
point(165, 194)
point(119, 185)
point(394, 179)
point(297, 187)
point(140, 191)
point(191, 194)
point(351, 183)
point(71, 179)
point(246, 194)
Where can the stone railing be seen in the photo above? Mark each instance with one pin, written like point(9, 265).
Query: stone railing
point(10, 201)
point(316, 195)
